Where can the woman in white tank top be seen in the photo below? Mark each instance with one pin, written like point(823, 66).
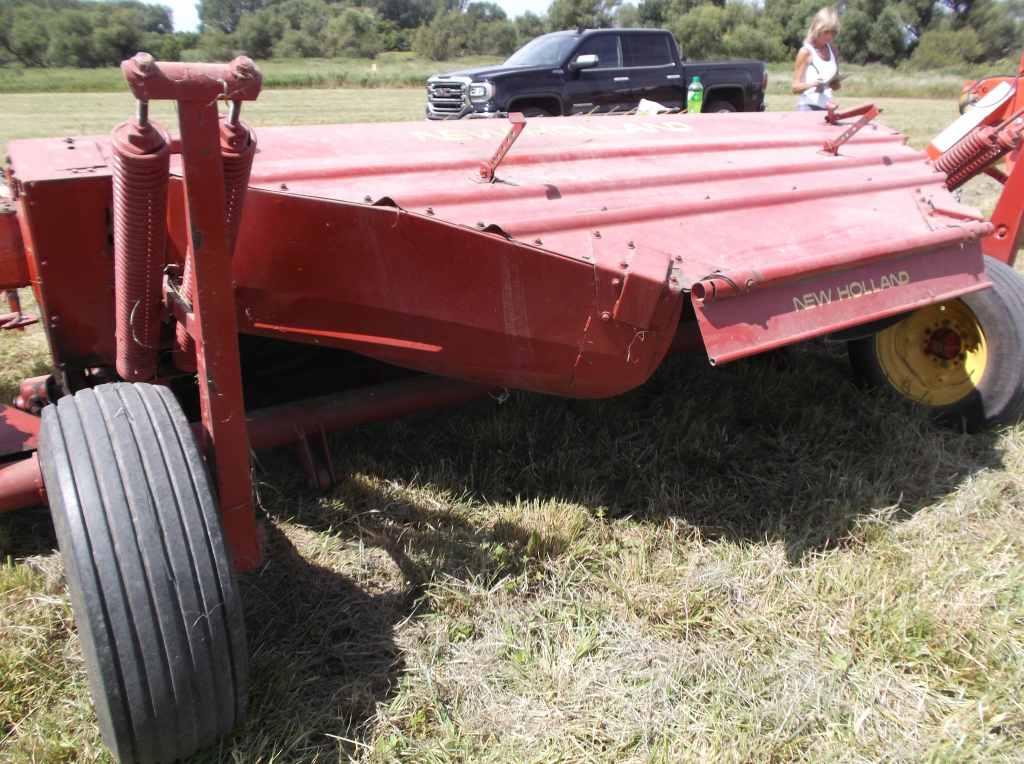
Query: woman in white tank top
point(815, 75)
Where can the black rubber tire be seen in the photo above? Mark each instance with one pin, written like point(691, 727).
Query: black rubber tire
point(719, 107)
point(158, 613)
point(533, 112)
point(999, 397)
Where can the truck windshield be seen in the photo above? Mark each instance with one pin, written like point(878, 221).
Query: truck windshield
point(546, 50)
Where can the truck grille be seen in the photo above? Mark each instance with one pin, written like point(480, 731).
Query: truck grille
point(446, 97)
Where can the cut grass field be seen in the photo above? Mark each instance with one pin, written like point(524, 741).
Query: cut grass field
point(757, 562)
point(387, 70)
point(406, 70)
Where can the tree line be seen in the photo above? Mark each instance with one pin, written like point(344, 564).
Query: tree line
point(923, 33)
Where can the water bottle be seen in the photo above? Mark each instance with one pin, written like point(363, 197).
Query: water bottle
point(695, 96)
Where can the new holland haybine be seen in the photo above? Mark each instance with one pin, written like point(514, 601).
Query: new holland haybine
point(212, 292)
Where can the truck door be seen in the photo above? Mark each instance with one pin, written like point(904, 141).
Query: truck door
point(605, 87)
point(651, 68)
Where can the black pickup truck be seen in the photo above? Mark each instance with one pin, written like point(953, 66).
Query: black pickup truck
point(594, 70)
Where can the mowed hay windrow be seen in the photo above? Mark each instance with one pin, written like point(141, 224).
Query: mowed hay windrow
point(755, 562)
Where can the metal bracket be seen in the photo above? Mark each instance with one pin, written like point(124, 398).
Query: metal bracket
point(488, 168)
point(869, 112)
point(315, 456)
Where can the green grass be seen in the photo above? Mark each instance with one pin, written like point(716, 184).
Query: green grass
point(391, 70)
point(387, 70)
point(752, 563)
point(873, 79)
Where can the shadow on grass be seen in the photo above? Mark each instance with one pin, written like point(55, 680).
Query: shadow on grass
point(322, 655)
point(26, 533)
point(758, 452)
point(753, 452)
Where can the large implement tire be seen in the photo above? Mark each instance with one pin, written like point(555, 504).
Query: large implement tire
point(963, 359)
point(158, 614)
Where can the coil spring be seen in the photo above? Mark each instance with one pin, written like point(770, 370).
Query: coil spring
point(238, 147)
point(141, 165)
point(980, 148)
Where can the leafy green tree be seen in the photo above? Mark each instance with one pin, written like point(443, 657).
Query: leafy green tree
point(497, 37)
point(393, 37)
point(434, 40)
point(225, 14)
point(794, 17)
point(999, 33)
point(258, 32)
point(152, 18)
point(311, 15)
point(483, 12)
point(163, 47)
point(70, 40)
point(28, 38)
point(353, 32)
point(654, 13)
point(886, 40)
point(627, 16)
point(406, 14)
point(761, 42)
point(917, 15)
point(701, 32)
point(588, 14)
point(945, 47)
point(297, 43)
point(528, 26)
point(117, 38)
point(215, 45)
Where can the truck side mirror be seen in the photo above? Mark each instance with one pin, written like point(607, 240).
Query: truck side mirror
point(586, 61)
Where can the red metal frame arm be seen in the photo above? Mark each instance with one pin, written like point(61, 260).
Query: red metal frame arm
point(1003, 243)
point(216, 330)
point(152, 80)
point(197, 88)
point(21, 484)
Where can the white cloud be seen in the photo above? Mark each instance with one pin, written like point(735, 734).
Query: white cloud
point(186, 16)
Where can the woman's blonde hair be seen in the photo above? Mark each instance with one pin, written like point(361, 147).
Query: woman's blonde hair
point(825, 20)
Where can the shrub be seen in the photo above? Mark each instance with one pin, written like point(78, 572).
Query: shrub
point(353, 32)
point(747, 41)
point(215, 45)
point(257, 33)
point(940, 48)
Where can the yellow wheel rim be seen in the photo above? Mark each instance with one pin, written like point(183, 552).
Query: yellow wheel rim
point(936, 355)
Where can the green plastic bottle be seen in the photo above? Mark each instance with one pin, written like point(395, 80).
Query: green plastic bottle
point(695, 96)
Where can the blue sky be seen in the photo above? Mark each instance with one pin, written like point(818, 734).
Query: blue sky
point(186, 19)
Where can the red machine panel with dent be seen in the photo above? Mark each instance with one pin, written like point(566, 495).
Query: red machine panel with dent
point(64, 217)
point(568, 272)
point(443, 299)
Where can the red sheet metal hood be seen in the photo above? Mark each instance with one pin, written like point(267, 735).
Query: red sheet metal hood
point(739, 204)
point(723, 191)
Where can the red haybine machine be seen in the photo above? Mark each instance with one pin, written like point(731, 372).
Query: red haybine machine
point(209, 294)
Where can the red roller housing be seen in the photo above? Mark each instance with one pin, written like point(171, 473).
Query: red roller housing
point(141, 166)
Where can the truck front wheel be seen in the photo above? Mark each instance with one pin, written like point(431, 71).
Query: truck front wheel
point(962, 359)
point(720, 107)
